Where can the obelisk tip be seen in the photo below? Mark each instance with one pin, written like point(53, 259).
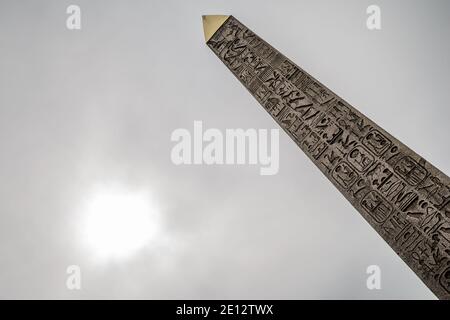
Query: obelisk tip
point(211, 23)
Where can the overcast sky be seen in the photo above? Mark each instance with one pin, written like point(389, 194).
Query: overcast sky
point(94, 108)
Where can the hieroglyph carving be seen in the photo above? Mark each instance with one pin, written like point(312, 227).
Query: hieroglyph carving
point(403, 197)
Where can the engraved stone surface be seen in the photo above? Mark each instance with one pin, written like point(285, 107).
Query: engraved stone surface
point(403, 197)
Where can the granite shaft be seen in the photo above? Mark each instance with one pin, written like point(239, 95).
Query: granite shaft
point(402, 196)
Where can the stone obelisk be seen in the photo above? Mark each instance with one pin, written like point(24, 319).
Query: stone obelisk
point(402, 196)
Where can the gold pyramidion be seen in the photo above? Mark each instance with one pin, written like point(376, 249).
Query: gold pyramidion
point(211, 24)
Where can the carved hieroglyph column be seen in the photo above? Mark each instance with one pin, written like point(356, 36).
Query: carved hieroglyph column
point(403, 197)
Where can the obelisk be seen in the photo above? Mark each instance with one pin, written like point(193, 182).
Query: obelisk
point(402, 196)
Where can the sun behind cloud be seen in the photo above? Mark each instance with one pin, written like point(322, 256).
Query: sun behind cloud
point(117, 223)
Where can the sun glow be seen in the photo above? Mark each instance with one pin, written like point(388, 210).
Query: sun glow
point(117, 224)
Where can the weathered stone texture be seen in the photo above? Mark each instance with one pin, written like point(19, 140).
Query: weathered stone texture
point(403, 197)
